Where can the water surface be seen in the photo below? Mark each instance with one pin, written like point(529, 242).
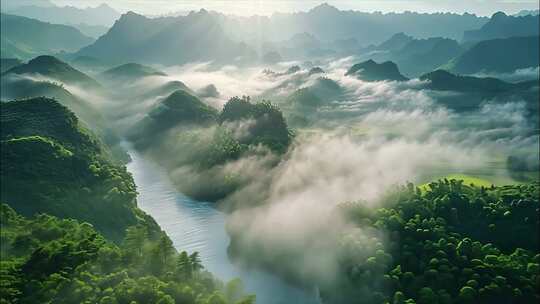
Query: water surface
point(197, 226)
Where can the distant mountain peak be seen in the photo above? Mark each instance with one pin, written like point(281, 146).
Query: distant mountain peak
point(369, 70)
point(499, 15)
point(46, 59)
point(324, 8)
point(503, 26)
point(400, 35)
point(130, 14)
point(104, 6)
point(54, 68)
point(130, 17)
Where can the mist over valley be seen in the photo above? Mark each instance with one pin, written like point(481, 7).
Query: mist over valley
point(317, 156)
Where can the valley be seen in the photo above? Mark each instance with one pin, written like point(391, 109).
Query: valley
point(319, 156)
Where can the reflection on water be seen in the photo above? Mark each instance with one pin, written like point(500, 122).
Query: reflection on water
point(197, 226)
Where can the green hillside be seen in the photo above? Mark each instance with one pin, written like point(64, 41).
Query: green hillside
point(130, 72)
point(179, 108)
point(52, 67)
point(24, 38)
point(52, 164)
point(50, 260)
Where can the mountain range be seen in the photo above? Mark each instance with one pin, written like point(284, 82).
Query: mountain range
point(414, 56)
point(24, 38)
point(55, 69)
point(327, 23)
point(92, 21)
point(100, 15)
point(503, 26)
point(498, 55)
point(167, 40)
point(470, 92)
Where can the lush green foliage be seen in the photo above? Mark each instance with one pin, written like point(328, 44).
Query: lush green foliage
point(265, 122)
point(179, 109)
point(48, 260)
point(450, 244)
point(303, 98)
point(52, 67)
point(51, 164)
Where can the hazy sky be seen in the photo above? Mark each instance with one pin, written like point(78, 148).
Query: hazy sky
point(267, 7)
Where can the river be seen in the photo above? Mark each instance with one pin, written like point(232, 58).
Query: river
point(198, 226)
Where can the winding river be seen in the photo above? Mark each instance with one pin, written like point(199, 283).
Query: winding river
point(197, 226)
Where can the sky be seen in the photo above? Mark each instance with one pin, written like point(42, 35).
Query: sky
point(267, 7)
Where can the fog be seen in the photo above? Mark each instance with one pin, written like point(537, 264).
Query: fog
point(377, 136)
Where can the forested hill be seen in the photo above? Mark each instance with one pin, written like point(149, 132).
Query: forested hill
point(55, 69)
point(51, 164)
point(71, 231)
point(49, 260)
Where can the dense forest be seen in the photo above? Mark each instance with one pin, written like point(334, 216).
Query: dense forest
point(84, 240)
point(49, 260)
point(446, 242)
point(324, 156)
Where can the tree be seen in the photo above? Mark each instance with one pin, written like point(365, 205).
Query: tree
point(195, 260)
point(467, 294)
point(183, 265)
point(134, 241)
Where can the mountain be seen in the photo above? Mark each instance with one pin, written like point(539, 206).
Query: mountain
point(444, 81)
point(304, 98)
point(329, 24)
point(24, 38)
point(474, 91)
point(371, 71)
point(181, 107)
point(130, 72)
point(414, 56)
point(16, 87)
point(208, 91)
point(102, 15)
point(168, 40)
point(503, 26)
point(394, 43)
point(167, 89)
point(89, 64)
point(52, 164)
point(93, 31)
point(419, 56)
point(177, 109)
point(8, 63)
point(527, 12)
point(55, 69)
point(498, 55)
point(299, 46)
point(7, 5)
